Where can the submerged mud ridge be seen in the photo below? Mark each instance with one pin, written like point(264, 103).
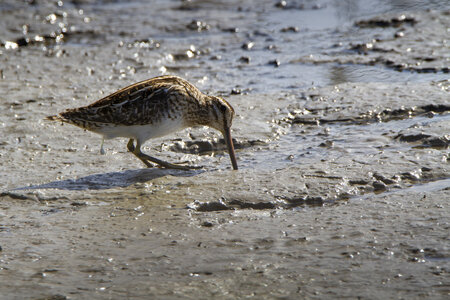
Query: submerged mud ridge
point(232, 204)
point(373, 183)
point(370, 116)
point(343, 182)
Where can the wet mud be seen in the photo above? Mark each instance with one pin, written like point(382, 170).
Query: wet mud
point(341, 132)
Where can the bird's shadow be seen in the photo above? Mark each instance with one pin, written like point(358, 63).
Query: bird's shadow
point(111, 180)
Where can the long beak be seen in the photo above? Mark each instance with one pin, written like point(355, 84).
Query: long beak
point(229, 141)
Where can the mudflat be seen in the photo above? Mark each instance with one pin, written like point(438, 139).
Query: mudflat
point(341, 132)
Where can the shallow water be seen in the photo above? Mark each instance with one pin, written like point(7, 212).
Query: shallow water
point(341, 134)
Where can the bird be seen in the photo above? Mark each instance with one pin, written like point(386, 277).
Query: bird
point(153, 108)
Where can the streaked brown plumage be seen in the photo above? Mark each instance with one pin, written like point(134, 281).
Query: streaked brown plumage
point(150, 109)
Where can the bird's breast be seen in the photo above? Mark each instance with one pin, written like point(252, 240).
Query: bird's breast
point(143, 132)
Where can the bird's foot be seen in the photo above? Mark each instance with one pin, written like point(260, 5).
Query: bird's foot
point(177, 166)
point(146, 159)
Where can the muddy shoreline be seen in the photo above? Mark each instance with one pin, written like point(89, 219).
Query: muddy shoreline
point(342, 138)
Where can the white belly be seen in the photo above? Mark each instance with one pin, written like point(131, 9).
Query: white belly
point(142, 132)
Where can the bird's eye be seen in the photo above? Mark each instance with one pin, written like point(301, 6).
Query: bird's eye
point(223, 108)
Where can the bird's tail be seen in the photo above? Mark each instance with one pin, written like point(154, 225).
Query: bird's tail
point(54, 118)
point(65, 117)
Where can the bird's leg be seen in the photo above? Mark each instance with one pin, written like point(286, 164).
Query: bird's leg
point(102, 150)
point(146, 158)
point(130, 145)
point(132, 149)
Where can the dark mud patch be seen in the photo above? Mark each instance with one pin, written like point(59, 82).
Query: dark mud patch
point(251, 205)
point(281, 202)
point(299, 5)
point(208, 206)
point(29, 196)
point(307, 201)
point(398, 180)
point(386, 115)
point(397, 21)
point(198, 25)
point(207, 147)
point(231, 205)
point(16, 196)
point(422, 254)
point(385, 180)
point(425, 140)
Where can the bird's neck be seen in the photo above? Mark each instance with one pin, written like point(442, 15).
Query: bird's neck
point(198, 113)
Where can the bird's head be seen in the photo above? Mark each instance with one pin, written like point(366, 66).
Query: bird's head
point(221, 115)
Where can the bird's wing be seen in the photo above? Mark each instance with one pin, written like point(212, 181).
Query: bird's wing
point(134, 105)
